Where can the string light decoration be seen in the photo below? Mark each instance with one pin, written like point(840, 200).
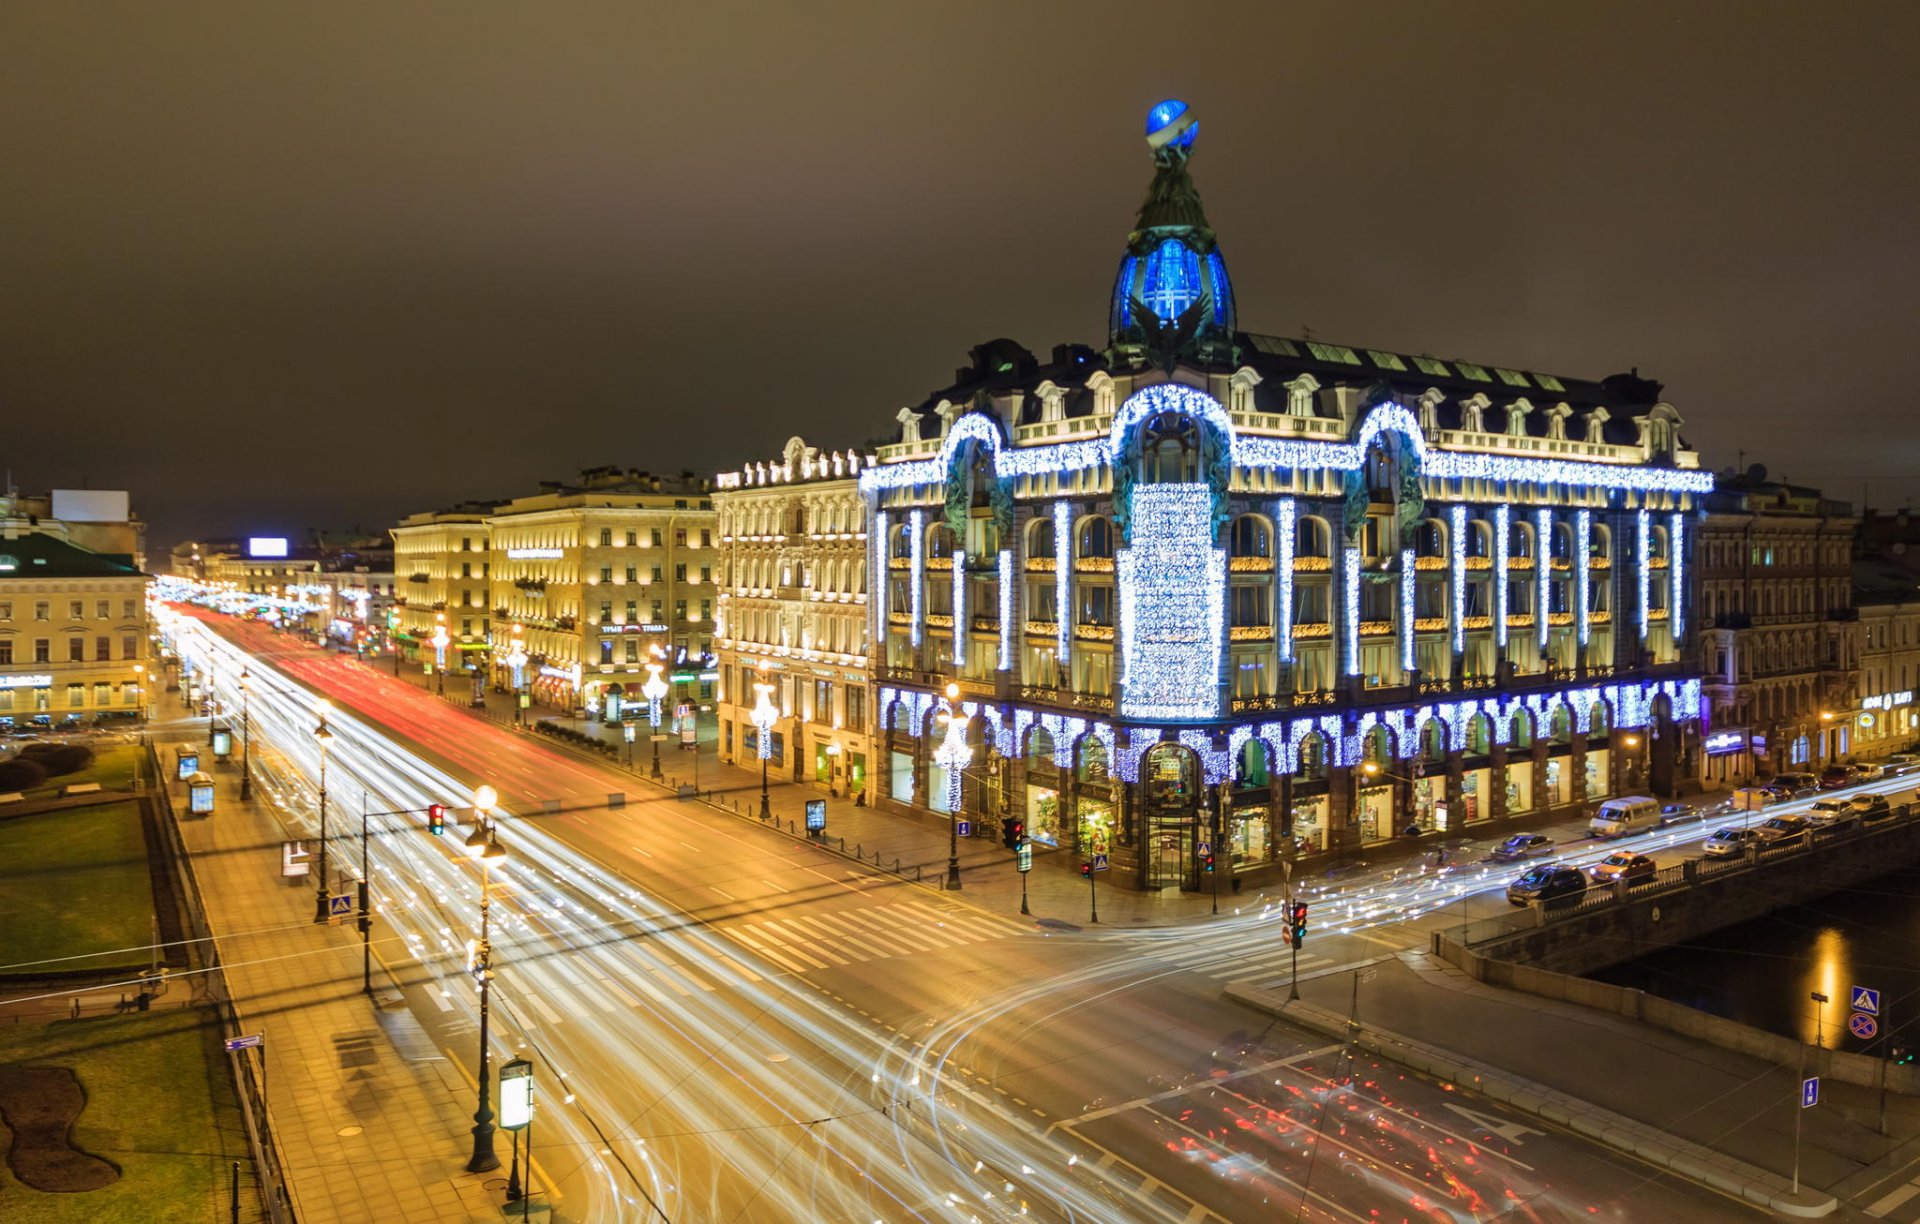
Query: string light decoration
point(1406, 608)
point(1502, 528)
point(1676, 561)
point(1275, 454)
point(916, 573)
point(1006, 610)
point(960, 628)
point(1542, 573)
point(1063, 579)
point(1350, 622)
point(1216, 764)
point(1457, 574)
point(1644, 524)
point(953, 754)
point(1285, 527)
point(879, 557)
point(1582, 571)
point(1172, 582)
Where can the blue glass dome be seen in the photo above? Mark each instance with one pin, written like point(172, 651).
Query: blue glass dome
point(1166, 115)
point(1168, 279)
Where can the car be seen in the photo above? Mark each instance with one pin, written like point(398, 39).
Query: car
point(1623, 865)
point(1871, 807)
point(1902, 762)
point(1552, 885)
point(1793, 785)
point(1830, 811)
point(1782, 828)
point(1730, 842)
point(1522, 845)
point(1833, 777)
point(1670, 812)
point(1867, 771)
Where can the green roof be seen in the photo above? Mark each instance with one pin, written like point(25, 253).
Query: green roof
point(44, 556)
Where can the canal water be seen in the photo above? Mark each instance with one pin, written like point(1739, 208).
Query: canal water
point(1764, 972)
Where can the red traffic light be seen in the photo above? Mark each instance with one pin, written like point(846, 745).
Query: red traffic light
point(436, 819)
point(1299, 912)
point(1013, 833)
point(1086, 869)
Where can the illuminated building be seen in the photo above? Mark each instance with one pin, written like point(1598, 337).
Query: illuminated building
point(1885, 718)
point(440, 569)
point(73, 633)
point(1209, 585)
point(793, 609)
point(1778, 641)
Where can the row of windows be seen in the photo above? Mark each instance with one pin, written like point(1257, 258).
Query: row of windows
point(814, 703)
point(846, 576)
point(76, 609)
point(839, 517)
point(1731, 553)
point(838, 634)
point(104, 696)
point(76, 649)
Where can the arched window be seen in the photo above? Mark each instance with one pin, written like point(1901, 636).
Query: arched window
point(1431, 541)
point(1251, 537)
point(1093, 760)
point(1599, 720)
point(1250, 768)
point(1312, 537)
point(1040, 538)
point(1040, 749)
point(1479, 538)
point(1562, 725)
point(1479, 735)
point(1313, 758)
point(1519, 540)
point(1433, 740)
point(1096, 538)
point(900, 544)
point(940, 540)
point(1520, 735)
point(1170, 449)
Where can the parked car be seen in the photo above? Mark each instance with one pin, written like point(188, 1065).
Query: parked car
point(1792, 785)
point(1871, 807)
point(1867, 771)
point(1670, 812)
point(1830, 812)
point(1624, 865)
point(1783, 828)
point(1902, 762)
point(1552, 885)
point(1522, 845)
point(1833, 777)
point(1730, 842)
point(1627, 814)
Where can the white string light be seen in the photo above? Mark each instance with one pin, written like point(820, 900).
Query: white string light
point(1406, 608)
point(1006, 610)
point(1284, 512)
point(1676, 560)
point(1582, 571)
point(1171, 581)
point(1502, 529)
point(1350, 623)
point(1645, 578)
point(960, 628)
point(916, 572)
point(1063, 580)
point(1457, 574)
point(1542, 573)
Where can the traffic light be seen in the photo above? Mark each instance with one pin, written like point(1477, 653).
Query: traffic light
point(436, 819)
point(1086, 871)
point(1206, 862)
point(1012, 833)
point(1299, 923)
point(1901, 1054)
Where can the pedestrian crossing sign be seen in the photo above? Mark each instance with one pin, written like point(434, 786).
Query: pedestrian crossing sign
point(1865, 1000)
point(339, 907)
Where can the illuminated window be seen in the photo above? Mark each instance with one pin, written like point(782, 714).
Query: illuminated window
point(1173, 279)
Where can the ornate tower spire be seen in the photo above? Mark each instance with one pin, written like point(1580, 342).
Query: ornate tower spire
point(1171, 296)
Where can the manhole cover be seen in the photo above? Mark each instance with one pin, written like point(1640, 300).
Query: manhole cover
point(348, 1132)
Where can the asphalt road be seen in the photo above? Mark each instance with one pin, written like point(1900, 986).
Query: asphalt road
point(754, 1030)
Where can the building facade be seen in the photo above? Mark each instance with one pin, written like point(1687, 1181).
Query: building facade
point(440, 565)
point(793, 615)
point(1885, 718)
point(1779, 648)
point(73, 634)
point(590, 577)
point(1211, 599)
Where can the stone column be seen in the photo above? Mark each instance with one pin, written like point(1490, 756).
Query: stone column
point(1497, 782)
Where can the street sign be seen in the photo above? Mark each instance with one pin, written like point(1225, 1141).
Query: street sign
point(1026, 856)
point(1099, 862)
point(1810, 1092)
point(339, 907)
point(1865, 1000)
point(1863, 1026)
point(964, 829)
point(247, 1042)
point(1203, 849)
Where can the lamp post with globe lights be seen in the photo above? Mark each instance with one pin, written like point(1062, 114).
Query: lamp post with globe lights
point(764, 715)
point(953, 754)
point(484, 844)
point(517, 663)
point(440, 641)
point(322, 737)
point(246, 736)
point(654, 690)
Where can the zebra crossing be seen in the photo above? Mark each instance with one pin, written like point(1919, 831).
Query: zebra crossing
point(1229, 963)
point(830, 939)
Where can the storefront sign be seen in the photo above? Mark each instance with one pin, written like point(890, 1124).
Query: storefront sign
point(535, 554)
point(557, 673)
point(14, 682)
point(1722, 742)
point(1888, 701)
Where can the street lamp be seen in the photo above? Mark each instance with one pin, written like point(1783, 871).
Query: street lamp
point(483, 845)
point(211, 702)
point(517, 661)
point(763, 715)
point(833, 768)
point(653, 690)
point(323, 737)
point(246, 737)
point(440, 640)
point(953, 753)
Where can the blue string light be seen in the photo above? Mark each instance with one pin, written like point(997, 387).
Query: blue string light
point(1643, 521)
point(1350, 622)
point(1285, 513)
point(1502, 530)
point(1582, 571)
point(1170, 648)
point(1006, 610)
point(1063, 578)
point(916, 571)
point(1542, 572)
point(1406, 608)
point(960, 628)
point(1676, 561)
point(1457, 574)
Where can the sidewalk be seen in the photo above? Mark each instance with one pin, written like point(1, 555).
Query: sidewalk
point(1057, 894)
point(365, 1133)
point(1574, 1066)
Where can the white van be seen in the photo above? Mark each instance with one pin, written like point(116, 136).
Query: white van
point(1627, 814)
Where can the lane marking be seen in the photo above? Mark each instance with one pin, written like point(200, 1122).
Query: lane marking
point(723, 892)
point(1170, 1093)
point(1894, 1200)
point(751, 976)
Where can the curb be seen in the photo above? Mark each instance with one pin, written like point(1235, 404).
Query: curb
point(1716, 1170)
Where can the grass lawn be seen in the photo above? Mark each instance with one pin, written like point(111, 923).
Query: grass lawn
point(160, 1105)
point(113, 768)
point(75, 882)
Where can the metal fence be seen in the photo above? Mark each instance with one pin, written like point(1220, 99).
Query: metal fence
point(276, 1204)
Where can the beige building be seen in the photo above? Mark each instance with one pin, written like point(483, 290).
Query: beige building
point(1778, 646)
point(73, 633)
point(1886, 719)
point(440, 560)
point(592, 576)
point(99, 520)
point(793, 614)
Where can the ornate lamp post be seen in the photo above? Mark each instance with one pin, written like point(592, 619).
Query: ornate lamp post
point(323, 737)
point(517, 661)
point(953, 753)
point(246, 737)
point(485, 846)
point(764, 715)
point(653, 690)
point(440, 640)
point(212, 702)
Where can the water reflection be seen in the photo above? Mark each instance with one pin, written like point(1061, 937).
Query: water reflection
point(1765, 972)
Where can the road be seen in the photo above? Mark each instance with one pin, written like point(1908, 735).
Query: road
point(749, 1029)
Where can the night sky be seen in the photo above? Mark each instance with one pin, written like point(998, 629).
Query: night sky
point(274, 266)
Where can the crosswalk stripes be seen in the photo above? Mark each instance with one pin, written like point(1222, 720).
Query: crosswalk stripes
point(830, 939)
point(1221, 963)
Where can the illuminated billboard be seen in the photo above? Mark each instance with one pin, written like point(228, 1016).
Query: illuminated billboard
point(267, 546)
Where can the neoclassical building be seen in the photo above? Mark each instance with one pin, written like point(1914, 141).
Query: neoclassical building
point(1211, 591)
point(793, 614)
